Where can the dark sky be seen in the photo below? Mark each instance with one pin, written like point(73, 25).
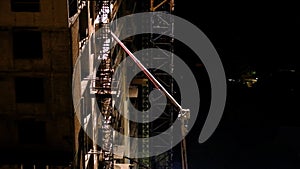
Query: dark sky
point(256, 34)
point(260, 127)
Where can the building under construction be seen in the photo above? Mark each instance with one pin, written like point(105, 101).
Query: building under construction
point(48, 52)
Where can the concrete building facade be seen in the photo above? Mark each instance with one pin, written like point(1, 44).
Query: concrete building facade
point(39, 43)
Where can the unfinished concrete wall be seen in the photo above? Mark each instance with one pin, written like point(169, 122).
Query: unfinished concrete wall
point(52, 117)
point(52, 13)
point(60, 50)
point(55, 57)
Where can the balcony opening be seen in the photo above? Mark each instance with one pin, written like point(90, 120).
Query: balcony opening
point(29, 90)
point(31, 131)
point(25, 5)
point(27, 44)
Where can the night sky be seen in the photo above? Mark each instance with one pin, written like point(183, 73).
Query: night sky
point(260, 128)
point(261, 35)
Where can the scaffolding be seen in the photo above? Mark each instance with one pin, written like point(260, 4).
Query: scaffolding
point(104, 124)
point(104, 99)
point(165, 120)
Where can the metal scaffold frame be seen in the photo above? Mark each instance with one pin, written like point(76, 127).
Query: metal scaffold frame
point(162, 161)
point(104, 124)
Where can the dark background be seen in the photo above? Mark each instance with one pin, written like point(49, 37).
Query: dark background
point(260, 127)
